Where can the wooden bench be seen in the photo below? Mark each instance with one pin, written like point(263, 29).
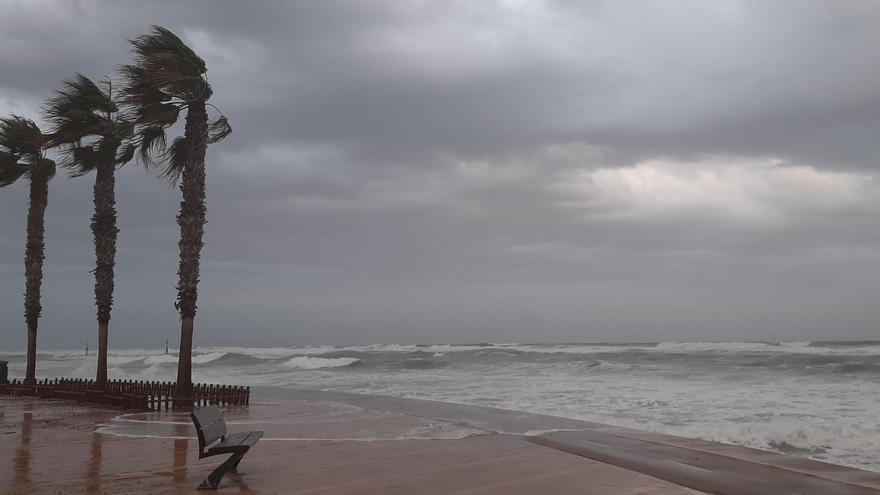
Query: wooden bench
point(213, 440)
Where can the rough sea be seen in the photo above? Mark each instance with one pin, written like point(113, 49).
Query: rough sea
point(811, 399)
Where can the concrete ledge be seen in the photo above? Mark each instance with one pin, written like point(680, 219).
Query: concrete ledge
point(697, 469)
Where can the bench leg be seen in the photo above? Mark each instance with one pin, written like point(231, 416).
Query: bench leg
point(213, 479)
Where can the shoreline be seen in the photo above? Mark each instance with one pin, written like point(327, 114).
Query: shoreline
point(54, 448)
point(351, 443)
point(814, 401)
point(627, 447)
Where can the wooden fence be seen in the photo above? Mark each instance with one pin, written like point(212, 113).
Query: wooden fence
point(132, 394)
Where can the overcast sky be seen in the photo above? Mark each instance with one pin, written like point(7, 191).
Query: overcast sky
point(446, 171)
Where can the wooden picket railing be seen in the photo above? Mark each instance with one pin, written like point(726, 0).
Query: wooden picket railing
point(132, 394)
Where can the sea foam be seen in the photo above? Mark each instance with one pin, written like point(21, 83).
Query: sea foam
point(312, 363)
point(814, 399)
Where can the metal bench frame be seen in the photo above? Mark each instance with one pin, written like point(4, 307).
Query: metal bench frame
point(214, 440)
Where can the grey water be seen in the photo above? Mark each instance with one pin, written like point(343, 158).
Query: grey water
point(811, 399)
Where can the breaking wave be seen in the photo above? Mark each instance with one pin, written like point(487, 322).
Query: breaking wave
point(813, 399)
point(160, 359)
point(313, 363)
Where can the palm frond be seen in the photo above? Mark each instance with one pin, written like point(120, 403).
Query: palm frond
point(20, 136)
point(151, 142)
point(88, 126)
point(163, 43)
point(82, 160)
point(126, 153)
point(158, 114)
point(79, 95)
point(165, 78)
point(79, 109)
point(10, 169)
point(125, 126)
point(7, 159)
point(43, 168)
point(218, 130)
point(175, 158)
point(164, 67)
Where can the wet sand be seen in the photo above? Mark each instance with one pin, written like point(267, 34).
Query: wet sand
point(310, 447)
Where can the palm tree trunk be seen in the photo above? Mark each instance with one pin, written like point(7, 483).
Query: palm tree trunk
point(104, 231)
point(33, 267)
point(103, 337)
point(192, 227)
point(184, 361)
point(31, 373)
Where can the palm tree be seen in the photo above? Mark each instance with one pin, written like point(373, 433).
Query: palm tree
point(21, 155)
point(95, 136)
point(166, 78)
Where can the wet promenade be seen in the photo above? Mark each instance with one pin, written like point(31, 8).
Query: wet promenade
point(336, 443)
point(310, 447)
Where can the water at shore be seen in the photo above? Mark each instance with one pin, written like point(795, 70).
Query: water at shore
point(814, 399)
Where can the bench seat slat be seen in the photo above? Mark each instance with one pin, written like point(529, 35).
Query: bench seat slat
point(210, 423)
point(236, 442)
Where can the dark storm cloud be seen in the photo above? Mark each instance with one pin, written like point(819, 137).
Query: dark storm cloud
point(397, 78)
point(455, 171)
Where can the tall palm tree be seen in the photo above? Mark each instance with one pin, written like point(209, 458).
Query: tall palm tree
point(21, 155)
point(165, 79)
point(95, 136)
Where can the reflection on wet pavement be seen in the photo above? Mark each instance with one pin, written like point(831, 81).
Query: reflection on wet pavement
point(23, 453)
point(290, 421)
point(315, 447)
point(93, 475)
point(181, 446)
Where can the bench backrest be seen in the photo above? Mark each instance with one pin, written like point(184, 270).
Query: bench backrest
point(209, 425)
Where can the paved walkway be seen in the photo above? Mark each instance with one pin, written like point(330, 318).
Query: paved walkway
point(711, 467)
point(310, 447)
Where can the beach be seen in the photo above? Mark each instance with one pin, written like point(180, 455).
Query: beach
point(816, 400)
point(335, 443)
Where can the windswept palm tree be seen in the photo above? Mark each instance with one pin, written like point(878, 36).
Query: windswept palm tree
point(90, 130)
point(21, 155)
point(165, 79)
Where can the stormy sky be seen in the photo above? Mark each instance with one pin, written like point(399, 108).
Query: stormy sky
point(445, 171)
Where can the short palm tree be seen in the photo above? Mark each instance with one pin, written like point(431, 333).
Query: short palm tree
point(21, 155)
point(165, 79)
point(95, 136)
